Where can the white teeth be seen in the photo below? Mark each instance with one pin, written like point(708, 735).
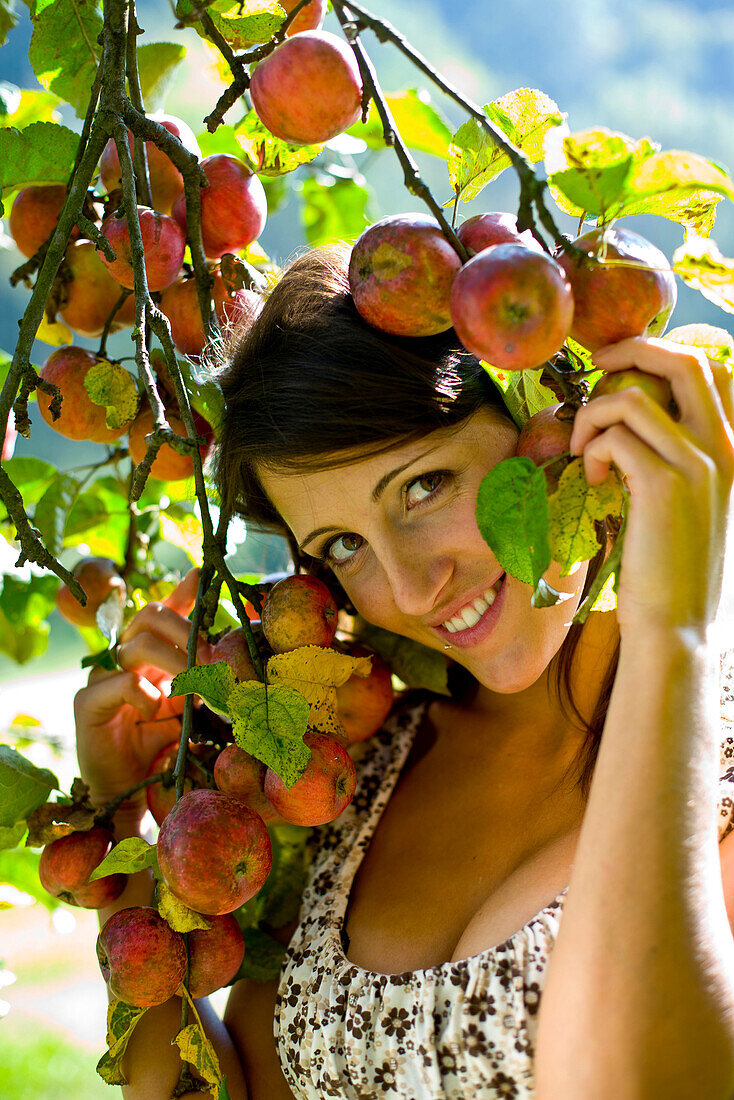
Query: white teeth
point(470, 616)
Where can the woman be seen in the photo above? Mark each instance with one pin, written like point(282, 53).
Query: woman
point(574, 775)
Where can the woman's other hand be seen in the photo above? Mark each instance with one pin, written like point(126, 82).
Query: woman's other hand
point(679, 474)
point(124, 718)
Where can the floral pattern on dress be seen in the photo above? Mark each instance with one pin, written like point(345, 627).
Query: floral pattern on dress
point(465, 1028)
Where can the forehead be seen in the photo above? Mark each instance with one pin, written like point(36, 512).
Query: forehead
point(305, 498)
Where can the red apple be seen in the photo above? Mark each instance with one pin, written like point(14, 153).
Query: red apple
point(180, 303)
point(299, 611)
point(631, 291)
point(66, 864)
point(308, 89)
point(89, 294)
point(497, 227)
point(512, 306)
point(98, 577)
point(233, 649)
point(309, 18)
point(168, 465)
point(34, 214)
point(161, 796)
point(323, 791)
point(164, 245)
point(652, 384)
point(545, 437)
point(215, 955)
point(364, 702)
point(233, 206)
point(242, 776)
point(80, 418)
point(400, 274)
point(141, 958)
point(166, 182)
point(214, 853)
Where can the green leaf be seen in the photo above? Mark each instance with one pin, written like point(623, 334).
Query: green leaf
point(196, 1048)
point(591, 167)
point(214, 683)
point(175, 913)
point(109, 384)
point(27, 604)
point(223, 140)
point(53, 510)
point(525, 116)
point(572, 510)
point(524, 394)
point(263, 956)
point(30, 475)
point(716, 342)
point(12, 835)
point(64, 51)
point(333, 209)
point(701, 265)
point(241, 24)
point(8, 18)
point(270, 723)
point(418, 122)
point(22, 646)
point(512, 515)
point(415, 664)
point(23, 786)
point(131, 855)
point(278, 902)
point(157, 66)
point(121, 1022)
point(205, 394)
point(676, 171)
point(268, 155)
point(41, 153)
point(24, 106)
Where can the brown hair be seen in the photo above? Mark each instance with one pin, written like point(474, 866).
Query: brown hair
point(310, 385)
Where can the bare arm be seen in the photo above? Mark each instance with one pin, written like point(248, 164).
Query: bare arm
point(639, 1000)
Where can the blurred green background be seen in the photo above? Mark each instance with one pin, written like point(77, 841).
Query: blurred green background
point(664, 69)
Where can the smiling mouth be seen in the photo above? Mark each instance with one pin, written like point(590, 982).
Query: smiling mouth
point(469, 616)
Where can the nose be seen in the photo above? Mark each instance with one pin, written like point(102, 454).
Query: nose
point(416, 574)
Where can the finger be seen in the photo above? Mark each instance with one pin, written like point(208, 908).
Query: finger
point(166, 623)
point(149, 651)
point(100, 701)
point(183, 597)
point(724, 382)
point(671, 441)
point(690, 376)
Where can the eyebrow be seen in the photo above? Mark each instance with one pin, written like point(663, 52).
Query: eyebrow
point(377, 492)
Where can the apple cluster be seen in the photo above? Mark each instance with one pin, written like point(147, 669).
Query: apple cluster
point(214, 849)
point(89, 294)
point(511, 304)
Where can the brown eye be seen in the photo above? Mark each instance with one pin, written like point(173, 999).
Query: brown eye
point(422, 488)
point(343, 548)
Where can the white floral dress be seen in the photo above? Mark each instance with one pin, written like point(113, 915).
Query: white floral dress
point(458, 1030)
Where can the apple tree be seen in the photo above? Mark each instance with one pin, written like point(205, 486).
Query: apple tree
point(134, 227)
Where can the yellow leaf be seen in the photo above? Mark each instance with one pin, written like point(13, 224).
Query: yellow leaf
point(178, 915)
point(57, 334)
point(186, 533)
point(573, 508)
point(316, 673)
point(121, 1021)
point(197, 1049)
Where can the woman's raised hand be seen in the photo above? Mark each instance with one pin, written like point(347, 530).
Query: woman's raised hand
point(679, 473)
point(124, 718)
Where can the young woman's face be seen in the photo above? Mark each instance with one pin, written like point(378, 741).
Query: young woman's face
point(398, 530)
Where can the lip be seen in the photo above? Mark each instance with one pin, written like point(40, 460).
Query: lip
point(473, 635)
